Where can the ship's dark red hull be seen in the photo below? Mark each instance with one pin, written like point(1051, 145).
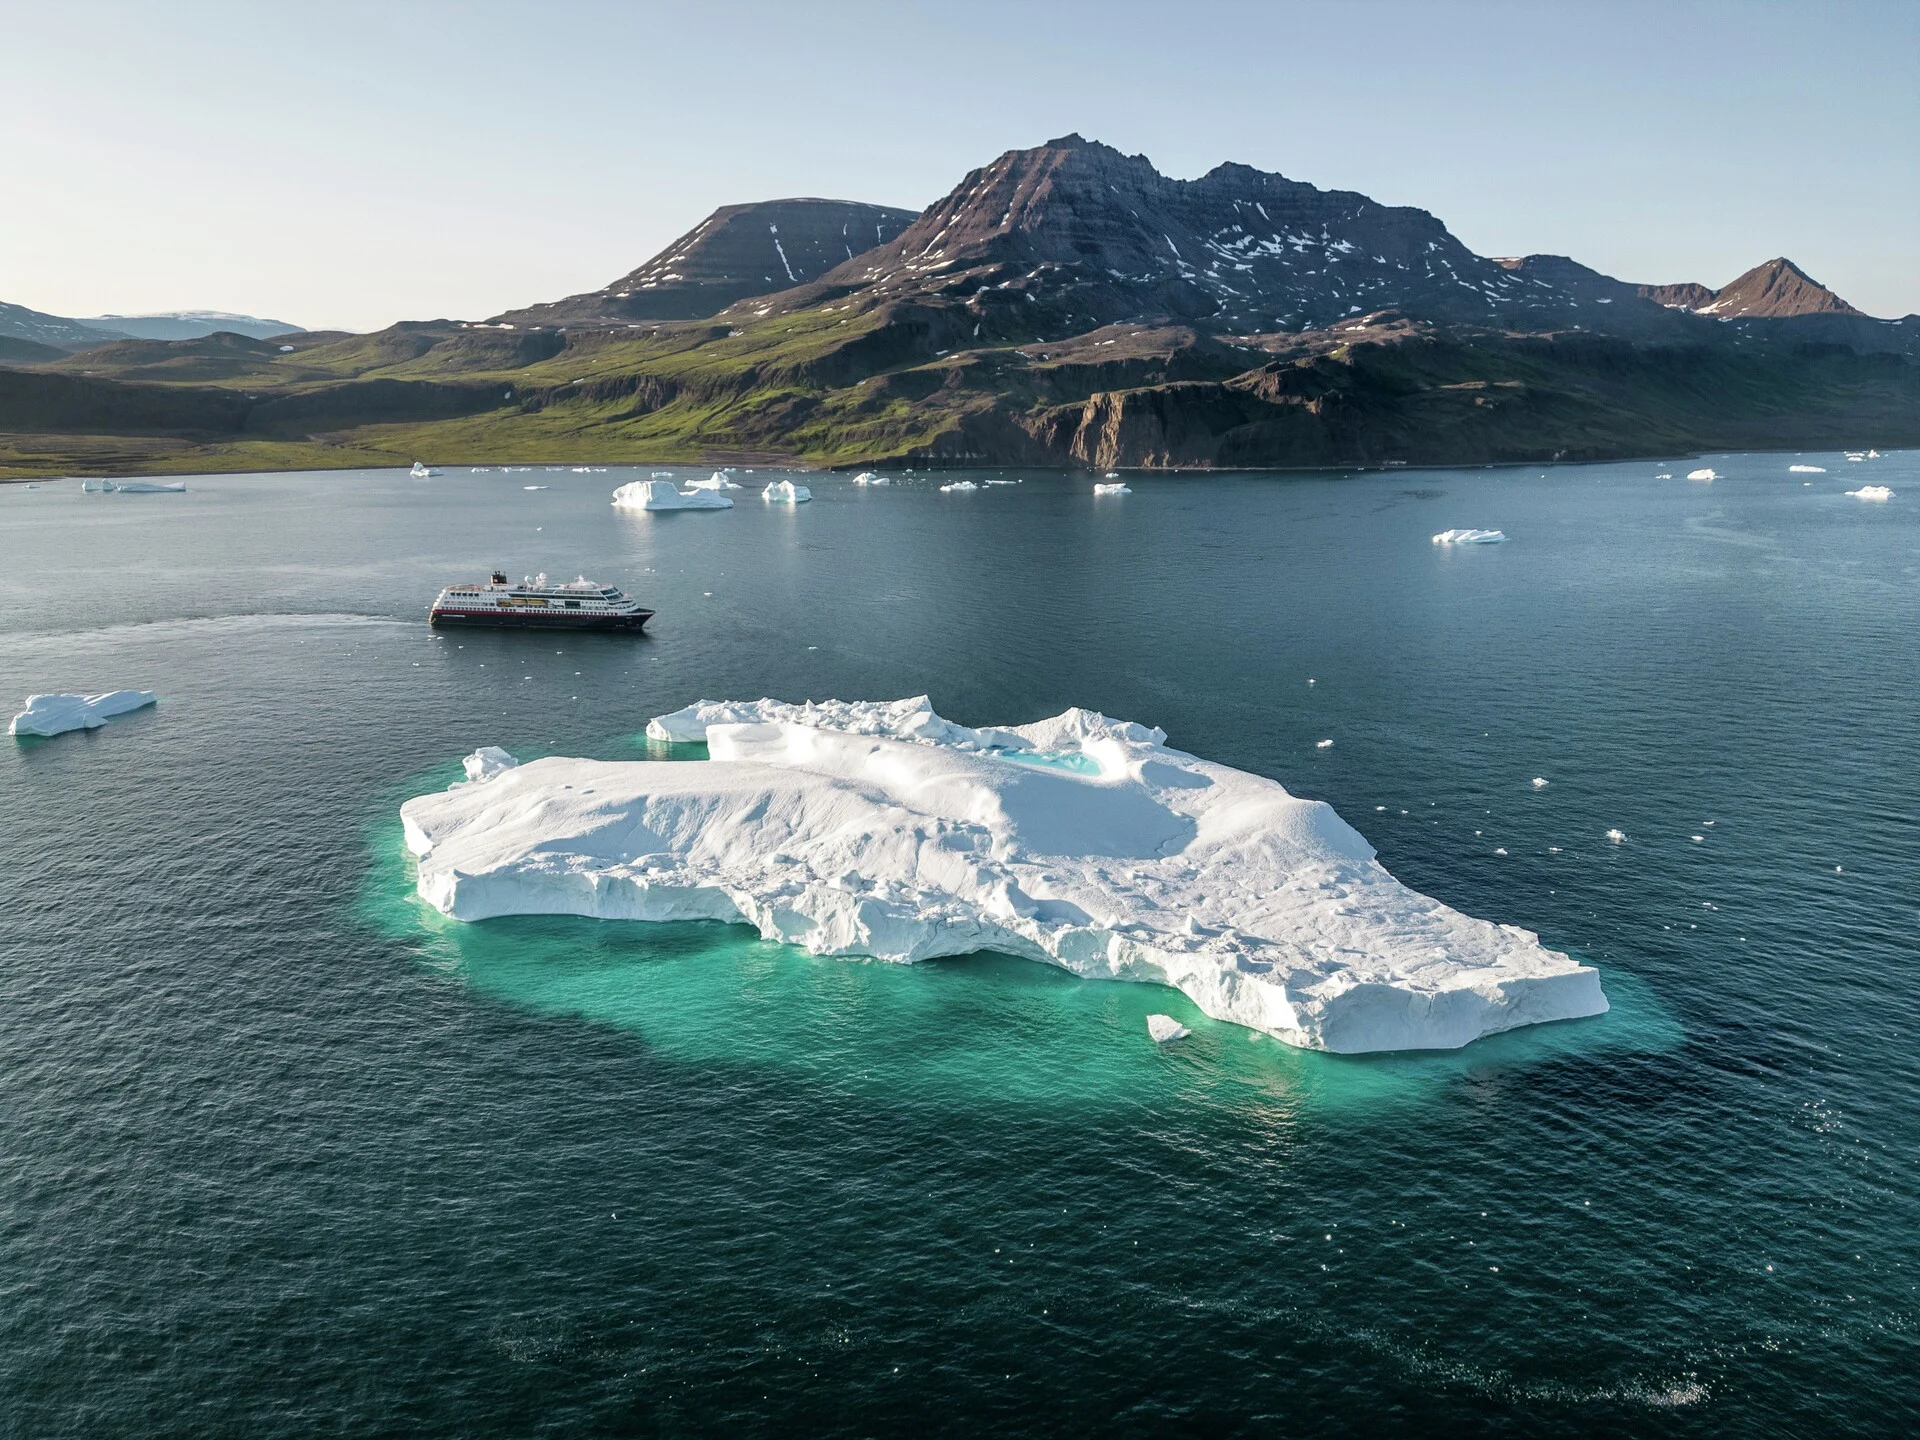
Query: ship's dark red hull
point(531, 619)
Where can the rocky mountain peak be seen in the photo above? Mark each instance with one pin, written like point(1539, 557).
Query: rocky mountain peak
point(1085, 235)
point(1773, 289)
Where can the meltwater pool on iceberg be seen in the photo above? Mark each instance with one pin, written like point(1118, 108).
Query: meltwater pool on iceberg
point(880, 829)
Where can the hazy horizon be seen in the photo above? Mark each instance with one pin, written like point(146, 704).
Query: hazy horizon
point(351, 166)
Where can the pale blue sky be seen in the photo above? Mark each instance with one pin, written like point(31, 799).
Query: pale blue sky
point(349, 165)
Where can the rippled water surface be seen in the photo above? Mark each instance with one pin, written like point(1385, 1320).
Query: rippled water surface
point(281, 1151)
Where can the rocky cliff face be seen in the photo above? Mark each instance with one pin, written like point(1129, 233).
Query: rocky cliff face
point(738, 251)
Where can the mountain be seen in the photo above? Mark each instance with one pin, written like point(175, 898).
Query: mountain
point(738, 251)
point(189, 325)
point(1775, 289)
point(1073, 234)
point(1063, 305)
point(17, 322)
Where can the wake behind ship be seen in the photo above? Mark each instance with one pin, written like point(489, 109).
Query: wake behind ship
point(535, 604)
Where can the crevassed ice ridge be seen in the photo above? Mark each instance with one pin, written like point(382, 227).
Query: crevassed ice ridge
point(881, 829)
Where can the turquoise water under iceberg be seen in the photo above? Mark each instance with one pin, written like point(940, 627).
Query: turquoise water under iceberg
point(286, 1151)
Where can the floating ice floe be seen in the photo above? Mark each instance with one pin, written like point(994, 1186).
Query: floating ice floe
point(867, 477)
point(1323, 744)
point(716, 481)
point(1111, 475)
point(1617, 836)
point(533, 487)
point(959, 485)
point(1469, 537)
point(882, 829)
point(141, 487)
point(487, 762)
point(1004, 482)
point(1704, 473)
point(1664, 475)
point(1872, 492)
point(421, 472)
point(1164, 1028)
point(662, 495)
point(1806, 469)
point(785, 492)
point(1539, 782)
point(1857, 456)
point(1117, 489)
point(57, 714)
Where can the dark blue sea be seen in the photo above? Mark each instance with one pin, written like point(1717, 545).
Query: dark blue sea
point(282, 1152)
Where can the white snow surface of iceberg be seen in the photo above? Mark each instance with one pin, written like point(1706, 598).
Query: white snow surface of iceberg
point(1470, 537)
point(57, 714)
point(958, 485)
point(716, 481)
point(785, 492)
point(663, 495)
point(1872, 492)
point(882, 829)
point(867, 477)
point(1706, 473)
point(1806, 469)
point(1118, 488)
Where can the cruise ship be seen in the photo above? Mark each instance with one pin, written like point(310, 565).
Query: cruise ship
point(537, 604)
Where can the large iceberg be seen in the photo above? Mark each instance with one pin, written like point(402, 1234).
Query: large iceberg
point(881, 829)
point(57, 714)
point(663, 495)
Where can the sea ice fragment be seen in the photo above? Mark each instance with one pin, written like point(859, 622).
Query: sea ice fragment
point(785, 492)
point(663, 495)
point(1872, 492)
point(57, 714)
point(1164, 1028)
point(1469, 537)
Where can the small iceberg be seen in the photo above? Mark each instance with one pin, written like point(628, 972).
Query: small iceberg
point(1539, 782)
point(144, 487)
point(1111, 475)
point(57, 714)
point(1003, 482)
point(1806, 469)
point(486, 762)
point(1119, 488)
point(1856, 456)
point(716, 481)
point(867, 477)
point(1664, 475)
point(785, 492)
point(1871, 492)
point(881, 829)
point(1470, 537)
point(1164, 1028)
point(1704, 473)
point(1617, 837)
point(958, 485)
point(662, 495)
point(533, 487)
point(1323, 744)
point(421, 472)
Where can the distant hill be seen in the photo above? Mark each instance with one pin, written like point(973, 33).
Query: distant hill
point(17, 322)
point(738, 251)
point(190, 325)
point(1774, 289)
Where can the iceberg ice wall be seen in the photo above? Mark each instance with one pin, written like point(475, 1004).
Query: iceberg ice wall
point(854, 828)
